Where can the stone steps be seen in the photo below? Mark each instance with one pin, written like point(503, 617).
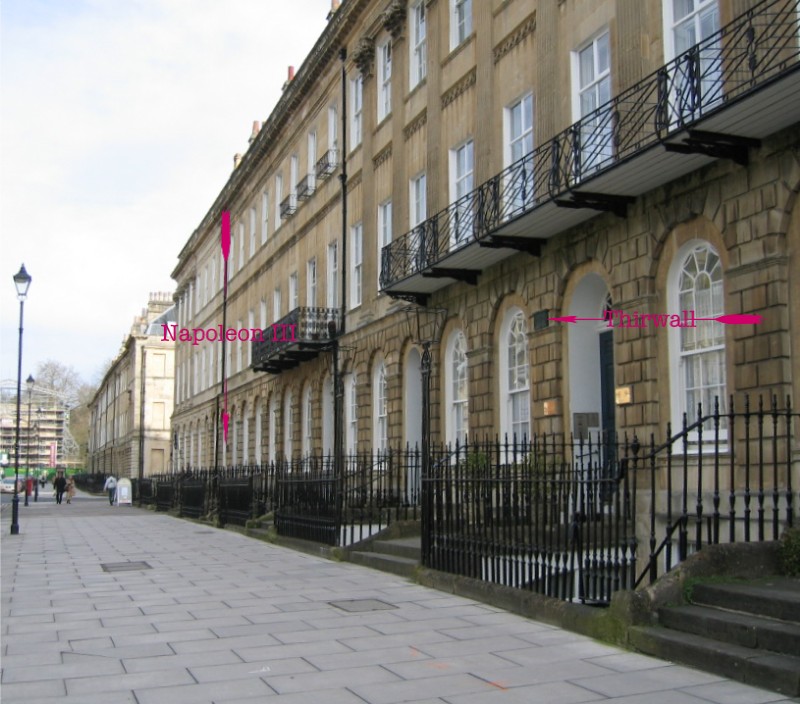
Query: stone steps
point(746, 631)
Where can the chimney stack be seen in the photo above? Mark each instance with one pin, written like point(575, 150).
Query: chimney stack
point(254, 133)
point(237, 159)
point(335, 4)
point(289, 79)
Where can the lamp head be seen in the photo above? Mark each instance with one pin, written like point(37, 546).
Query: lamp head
point(22, 280)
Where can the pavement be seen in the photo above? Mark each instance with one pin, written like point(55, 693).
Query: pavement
point(105, 605)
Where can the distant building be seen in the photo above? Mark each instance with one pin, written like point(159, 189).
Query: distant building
point(129, 432)
point(44, 439)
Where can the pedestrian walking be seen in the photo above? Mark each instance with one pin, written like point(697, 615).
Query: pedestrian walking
point(70, 489)
point(111, 487)
point(60, 486)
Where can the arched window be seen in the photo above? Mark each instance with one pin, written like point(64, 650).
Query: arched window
point(515, 401)
point(380, 430)
point(307, 415)
point(259, 451)
point(273, 428)
point(327, 416)
point(351, 414)
point(697, 353)
point(245, 435)
point(288, 430)
point(457, 388)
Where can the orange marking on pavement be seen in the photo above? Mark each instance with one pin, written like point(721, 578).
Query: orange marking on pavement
point(498, 685)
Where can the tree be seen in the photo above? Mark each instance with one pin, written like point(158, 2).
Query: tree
point(64, 380)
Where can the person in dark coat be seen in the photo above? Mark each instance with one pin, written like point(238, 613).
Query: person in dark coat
point(60, 485)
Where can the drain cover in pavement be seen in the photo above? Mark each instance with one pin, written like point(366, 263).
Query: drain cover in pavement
point(362, 605)
point(124, 566)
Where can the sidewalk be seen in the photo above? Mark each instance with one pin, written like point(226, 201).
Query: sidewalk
point(107, 605)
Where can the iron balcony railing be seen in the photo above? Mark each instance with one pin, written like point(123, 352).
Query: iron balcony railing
point(294, 338)
point(289, 205)
point(305, 187)
point(756, 48)
point(327, 164)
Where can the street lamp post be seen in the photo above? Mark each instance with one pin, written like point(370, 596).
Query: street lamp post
point(22, 280)
point(424, 326)
point(29, 382)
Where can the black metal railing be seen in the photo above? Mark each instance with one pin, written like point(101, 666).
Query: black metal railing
point(327, 164)
point(549, 515)
point(288, 205)
point(297, 335)
point(750, 52)
point(305, 187)
point(726, 478)
point(375, 490)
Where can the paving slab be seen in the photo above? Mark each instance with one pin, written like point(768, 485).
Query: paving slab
point(218, 618)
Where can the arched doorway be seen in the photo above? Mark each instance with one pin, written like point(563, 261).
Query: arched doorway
point(591, 362)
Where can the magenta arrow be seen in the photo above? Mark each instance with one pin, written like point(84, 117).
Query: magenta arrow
point(225, 242)
point(571, 319)
point(737, 319)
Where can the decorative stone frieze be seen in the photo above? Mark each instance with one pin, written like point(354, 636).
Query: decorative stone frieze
point(382, 156)
point(526, 27)
point(418, 122)
point(459, 88)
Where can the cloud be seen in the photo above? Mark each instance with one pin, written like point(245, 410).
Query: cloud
point(119, 123)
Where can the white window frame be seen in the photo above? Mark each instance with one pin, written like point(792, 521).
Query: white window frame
point(384, 80)
point(276, 304)
point(333, 127)
point(263, 314)
point(294, 167)
point(457, 404)
point(384, 232)
point(264, 217)
point(332, 266)
point(272, 434)
point(593, 155)
point(245, 435)
point(240, 228)
point(356, 111)
point(356, 265)
point(294, 294)
point(288, 428)
point(311, 282)
point(417, 199)
point(380, 413)
point(518, 143)
point(251, 323)
point(460, 22)
point(418, 44)
point(278, 198)
point(238, 347)
point(515, 406)
point(252, 230)
point(311, 161)
point(462, 183)
point(308, 410)
point(711, 332)
point(351, 414)
point(259, 445)
point(712, 84)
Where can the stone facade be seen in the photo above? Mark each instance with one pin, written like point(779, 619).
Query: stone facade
point(129, 434)
point(746, 214)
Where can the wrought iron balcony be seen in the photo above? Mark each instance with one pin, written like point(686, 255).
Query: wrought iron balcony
point(327, 164)
point(295, 338)
point(305, 187)
point(289, 205)
point(715, 100)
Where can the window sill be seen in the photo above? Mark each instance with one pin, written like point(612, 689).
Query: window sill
point(456, 50)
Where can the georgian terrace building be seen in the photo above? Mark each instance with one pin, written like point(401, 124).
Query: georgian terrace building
point(507, 162)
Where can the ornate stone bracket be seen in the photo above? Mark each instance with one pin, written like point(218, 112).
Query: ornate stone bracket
point(394, 18)
point(364, 55)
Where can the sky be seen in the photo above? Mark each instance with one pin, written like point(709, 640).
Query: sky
point(119, 120)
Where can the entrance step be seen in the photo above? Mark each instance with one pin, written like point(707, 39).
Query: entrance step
point(401, 547)
point(760, 668)
point(779, 598)
point(396, 564)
